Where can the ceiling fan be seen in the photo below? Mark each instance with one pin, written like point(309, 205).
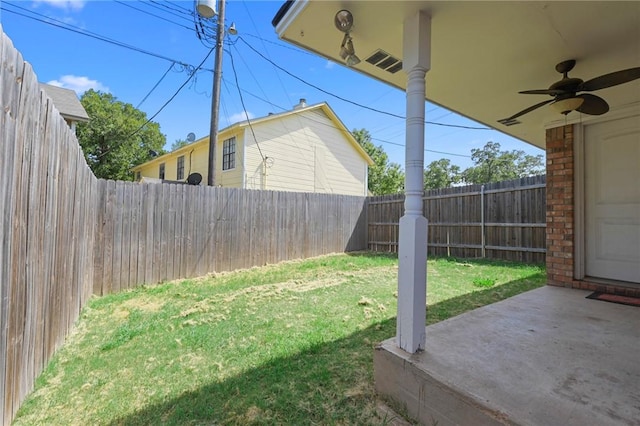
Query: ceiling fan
point(565, 92)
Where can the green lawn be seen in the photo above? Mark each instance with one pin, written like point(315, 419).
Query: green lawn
point(285, 344)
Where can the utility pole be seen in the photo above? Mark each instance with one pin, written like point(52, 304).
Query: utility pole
point(215, 97)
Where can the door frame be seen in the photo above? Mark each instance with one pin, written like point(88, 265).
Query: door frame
point(579, 258)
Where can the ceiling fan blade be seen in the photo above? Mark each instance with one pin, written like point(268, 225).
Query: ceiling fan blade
point(592, 105)
point(612, 79)
point(525, 111)
point(552, 92)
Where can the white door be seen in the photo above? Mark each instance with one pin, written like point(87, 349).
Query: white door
point(612, 200)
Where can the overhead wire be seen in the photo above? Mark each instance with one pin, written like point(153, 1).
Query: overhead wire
point(190, 67)
point(250, 71)
point(348, 100)
point(380, 140)
point(332, 126)
point(193, 70)
point(244, 3)
point(426, 150)
point(155, 86)
point(284, 46)
point(181, 13)
point(175, 94)
point(174, 6)
point(235, 74)
point(151, 14)
point(65, 26)
point(303, 155)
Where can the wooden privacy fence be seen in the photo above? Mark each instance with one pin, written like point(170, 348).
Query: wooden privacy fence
point(151, 233)
point(65, 234)
point(46, 231)
point(504, 220)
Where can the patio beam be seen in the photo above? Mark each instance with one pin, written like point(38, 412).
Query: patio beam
point(412, 248)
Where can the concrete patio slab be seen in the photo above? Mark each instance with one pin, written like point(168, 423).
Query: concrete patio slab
point(546, 357)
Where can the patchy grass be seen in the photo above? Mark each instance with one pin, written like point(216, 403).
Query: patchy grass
point(285, 344)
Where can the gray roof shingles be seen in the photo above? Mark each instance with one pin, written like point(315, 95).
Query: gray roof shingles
point(66, 102)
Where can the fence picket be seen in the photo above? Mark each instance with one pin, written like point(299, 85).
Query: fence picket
point(69, 235)
point(515, 220)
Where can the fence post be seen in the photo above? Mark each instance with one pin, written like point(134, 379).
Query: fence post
point(482, 220)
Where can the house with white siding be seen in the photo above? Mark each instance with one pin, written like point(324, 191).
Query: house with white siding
point(305, 149)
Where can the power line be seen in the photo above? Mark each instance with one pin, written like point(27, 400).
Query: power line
point(152, 14)
point(353, 102)
point(155, 86)
point(77, 30)
point(244, 108)
point(182, 13)
point(426, 150)
point(332, 126)
point(255, 27)
point(191, 67)
point(284, 46)
point(175, 7)
point(174, 95)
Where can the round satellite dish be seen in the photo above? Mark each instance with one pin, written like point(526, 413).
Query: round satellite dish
point(191, 137)
point(194, 179)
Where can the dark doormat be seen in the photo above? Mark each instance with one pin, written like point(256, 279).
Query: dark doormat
point(623, 300)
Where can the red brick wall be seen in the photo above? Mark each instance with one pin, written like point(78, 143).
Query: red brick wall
point(560, 216)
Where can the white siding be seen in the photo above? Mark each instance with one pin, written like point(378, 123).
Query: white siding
point(293, 146)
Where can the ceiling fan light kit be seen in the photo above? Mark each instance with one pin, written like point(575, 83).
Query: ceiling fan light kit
point(565, 92)
point(565, 106)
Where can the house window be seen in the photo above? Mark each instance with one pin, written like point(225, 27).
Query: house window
point(138, 176)
point(161, 172)
point(180, 174)
point(229, 154)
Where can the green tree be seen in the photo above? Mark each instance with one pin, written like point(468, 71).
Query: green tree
point(384, 177)
point(179, 143)
point(493, 165)
point(441, 174)
point(116, 137)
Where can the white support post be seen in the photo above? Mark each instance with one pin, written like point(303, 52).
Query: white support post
point(412, 250)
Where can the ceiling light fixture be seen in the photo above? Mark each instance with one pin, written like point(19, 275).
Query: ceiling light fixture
point(347, 52)
point(343, 22)
point(565, 106)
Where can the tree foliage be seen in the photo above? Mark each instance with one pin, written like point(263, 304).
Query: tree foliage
point(179, 143)
point(441, 174)
point(384, 177)
point(490, 165)
point(111, 141)
point(493, 165)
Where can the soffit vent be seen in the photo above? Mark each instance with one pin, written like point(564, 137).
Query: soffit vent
point(383, 60)
point(508, 123)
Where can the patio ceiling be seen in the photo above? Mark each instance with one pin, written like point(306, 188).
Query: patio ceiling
point(484, 53)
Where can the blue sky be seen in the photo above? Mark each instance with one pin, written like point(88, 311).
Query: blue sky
point(165, 31)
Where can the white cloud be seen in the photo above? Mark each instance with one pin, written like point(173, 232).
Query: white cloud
point(78, 84)
point(63, 4)
point(329, 65)
point(241, 116)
